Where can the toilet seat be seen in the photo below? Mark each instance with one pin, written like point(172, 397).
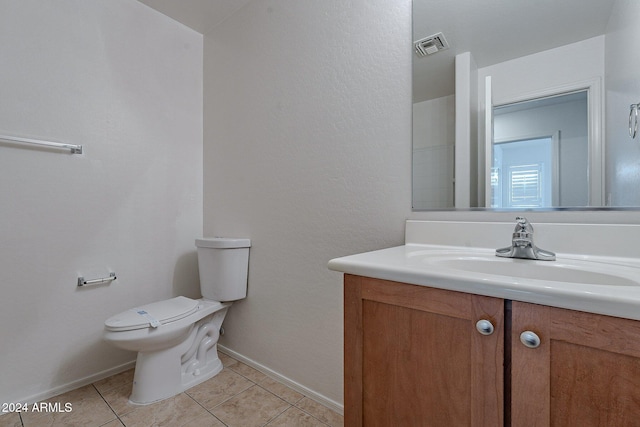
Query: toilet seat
point(152, 315)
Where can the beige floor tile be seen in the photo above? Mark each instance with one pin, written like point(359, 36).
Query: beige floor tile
point(294, 417)
point(114, 381)
point(321, 412)
point(232, 396)
point(11, 419)
point(118, 399)
point(226, 360)
point(252, 407)
point(76, 395)
point(177, 411)
point(216, 390)
point(206, 420)
point(281, 390)
point(248, 372)
point(87, 409)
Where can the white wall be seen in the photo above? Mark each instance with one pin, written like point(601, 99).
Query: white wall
point(126, 83)
point(434, 122)
point(576, 62)
point(622, 90)
point(433, 153)
point(307, 152)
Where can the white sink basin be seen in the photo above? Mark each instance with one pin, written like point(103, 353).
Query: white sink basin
point(597, 284)
point(570, 271)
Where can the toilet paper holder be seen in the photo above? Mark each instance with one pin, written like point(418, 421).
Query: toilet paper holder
point(99, 281)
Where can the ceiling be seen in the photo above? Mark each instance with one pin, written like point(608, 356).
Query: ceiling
point(200, 15)
point(492, 30)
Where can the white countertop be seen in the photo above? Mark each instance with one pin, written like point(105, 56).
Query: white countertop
point(414, 264)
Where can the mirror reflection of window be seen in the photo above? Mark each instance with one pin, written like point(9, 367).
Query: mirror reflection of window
point(523, 173)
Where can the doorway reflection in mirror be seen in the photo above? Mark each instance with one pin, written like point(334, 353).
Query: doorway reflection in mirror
point(541, 153)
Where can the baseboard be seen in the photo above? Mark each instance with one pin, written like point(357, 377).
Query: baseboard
point(332, 404)
point(77, 383)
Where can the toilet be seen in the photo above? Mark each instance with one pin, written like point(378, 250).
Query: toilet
point(176, 339)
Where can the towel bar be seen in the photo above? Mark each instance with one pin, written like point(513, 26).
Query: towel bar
point(75, 149)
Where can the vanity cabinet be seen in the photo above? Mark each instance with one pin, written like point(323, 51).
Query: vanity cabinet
point(414, 356)
point(585, 371)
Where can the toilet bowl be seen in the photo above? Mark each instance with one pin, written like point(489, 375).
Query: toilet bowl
point(176, 339)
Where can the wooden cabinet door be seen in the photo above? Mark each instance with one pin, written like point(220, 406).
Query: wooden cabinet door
point(413, 356)
point(586, 371)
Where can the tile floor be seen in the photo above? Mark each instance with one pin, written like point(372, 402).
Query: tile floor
point(238, 396)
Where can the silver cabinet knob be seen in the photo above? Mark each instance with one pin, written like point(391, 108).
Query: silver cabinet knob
point(484, 327)
point(530, 339)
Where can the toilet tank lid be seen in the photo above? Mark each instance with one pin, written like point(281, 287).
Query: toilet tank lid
point(222, 243)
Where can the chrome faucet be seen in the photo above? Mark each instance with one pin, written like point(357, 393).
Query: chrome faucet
point(522, 244)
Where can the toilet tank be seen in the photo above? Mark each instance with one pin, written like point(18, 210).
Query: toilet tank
point(223, 264)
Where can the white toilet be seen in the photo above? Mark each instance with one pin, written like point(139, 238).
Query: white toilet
point(176, 339)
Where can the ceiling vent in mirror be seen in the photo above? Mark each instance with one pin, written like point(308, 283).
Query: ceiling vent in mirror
point(430, 45)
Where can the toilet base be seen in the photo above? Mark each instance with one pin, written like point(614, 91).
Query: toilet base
point(165, 373)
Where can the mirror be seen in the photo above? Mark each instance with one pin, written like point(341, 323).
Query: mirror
point(527, 52)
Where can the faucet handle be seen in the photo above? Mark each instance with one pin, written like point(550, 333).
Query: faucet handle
point(523, 225)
